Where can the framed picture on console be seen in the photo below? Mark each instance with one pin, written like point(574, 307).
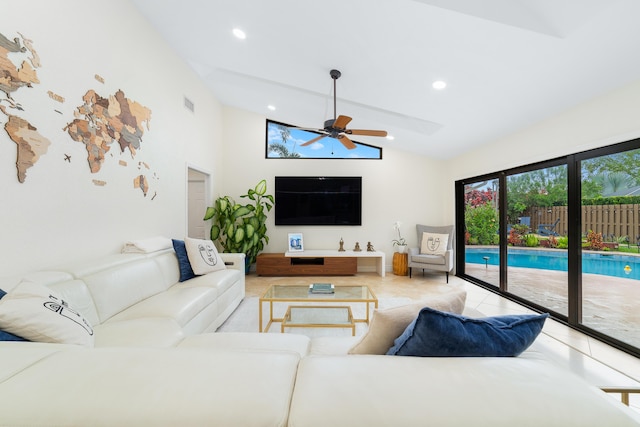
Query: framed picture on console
point(295, 242)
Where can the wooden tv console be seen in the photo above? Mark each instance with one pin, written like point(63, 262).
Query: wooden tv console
point(315, 263)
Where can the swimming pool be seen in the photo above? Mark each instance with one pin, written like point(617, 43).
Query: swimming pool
point(627, 266)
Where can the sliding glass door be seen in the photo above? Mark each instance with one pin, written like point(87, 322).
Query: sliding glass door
point(562, 236)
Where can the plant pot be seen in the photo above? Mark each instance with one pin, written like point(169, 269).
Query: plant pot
point(401, 248)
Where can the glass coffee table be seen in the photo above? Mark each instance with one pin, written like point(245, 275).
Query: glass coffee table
point(301, 294)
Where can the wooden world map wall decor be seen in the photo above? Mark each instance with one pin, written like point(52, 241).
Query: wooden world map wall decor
point(98, 122)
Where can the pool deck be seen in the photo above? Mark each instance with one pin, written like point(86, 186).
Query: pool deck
point(610, 304)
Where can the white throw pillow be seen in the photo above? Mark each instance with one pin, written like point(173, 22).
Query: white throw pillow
point(434, 243)
point(387, 325)
point(203, 256)
point(34, 313)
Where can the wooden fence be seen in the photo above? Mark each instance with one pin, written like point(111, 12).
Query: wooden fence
point(613, 221)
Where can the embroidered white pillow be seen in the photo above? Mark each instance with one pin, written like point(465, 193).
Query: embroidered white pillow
point(434, 243)
point(33, 312)
point(203, 256)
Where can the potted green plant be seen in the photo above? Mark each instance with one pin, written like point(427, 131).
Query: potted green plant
point(241, 228)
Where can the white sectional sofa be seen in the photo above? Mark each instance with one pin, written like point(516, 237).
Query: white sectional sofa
point(157, 362)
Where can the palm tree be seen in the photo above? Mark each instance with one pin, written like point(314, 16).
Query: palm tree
point(282, 150)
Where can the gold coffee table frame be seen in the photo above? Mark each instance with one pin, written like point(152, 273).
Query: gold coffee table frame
point(303, 316)
point(300, 293)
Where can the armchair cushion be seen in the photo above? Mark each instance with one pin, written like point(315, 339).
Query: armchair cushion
point(429, 259)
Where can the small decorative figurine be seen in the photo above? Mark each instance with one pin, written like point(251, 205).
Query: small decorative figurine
point(370, 247)
point(341, 245)
point(357, 248)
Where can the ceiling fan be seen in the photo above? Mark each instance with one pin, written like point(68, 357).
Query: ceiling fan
point(337, 127)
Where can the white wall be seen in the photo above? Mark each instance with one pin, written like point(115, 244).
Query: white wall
point(401, 187)
point(58, 214)
point(608, 119)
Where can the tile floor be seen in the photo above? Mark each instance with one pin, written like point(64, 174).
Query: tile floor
point(598, 363)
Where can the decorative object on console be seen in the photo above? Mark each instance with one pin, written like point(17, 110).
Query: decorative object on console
point(295, 242)
point(203, 256)
point(357, 247)
point(241, 228)
point(35, 313)
point(438, 334)
point(341, 249)
point(387, 325)
point(370, 247)
point(400, 242)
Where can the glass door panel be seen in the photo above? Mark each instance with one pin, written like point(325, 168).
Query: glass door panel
point(481, 215)
point(610, 214)
point(537, 237)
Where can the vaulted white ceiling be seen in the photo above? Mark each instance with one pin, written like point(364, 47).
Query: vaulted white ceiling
point(507, 63)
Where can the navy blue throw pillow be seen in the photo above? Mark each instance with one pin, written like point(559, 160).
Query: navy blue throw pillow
point(6, 336)
point(186, 272)
point(438, 334)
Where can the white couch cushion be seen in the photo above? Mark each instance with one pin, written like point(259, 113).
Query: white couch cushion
point(367, 390)
point(180, 304)
point(120, 287)
point(146, 332)
point(221, 280)
point(249, 341)
point(152, 387)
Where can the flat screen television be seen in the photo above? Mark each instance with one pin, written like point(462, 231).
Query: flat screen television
point(318, 200)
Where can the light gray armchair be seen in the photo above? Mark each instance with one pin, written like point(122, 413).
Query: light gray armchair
point(437, 262)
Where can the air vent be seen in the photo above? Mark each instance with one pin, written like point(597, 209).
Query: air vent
point(188, 104)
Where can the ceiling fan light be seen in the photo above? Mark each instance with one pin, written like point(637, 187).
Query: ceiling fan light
point(439, 84)
point(239, 33)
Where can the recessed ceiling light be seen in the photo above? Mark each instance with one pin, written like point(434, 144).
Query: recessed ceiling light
point(439, 84)
point(239, 33)
point(390, 137)
point(271, 107)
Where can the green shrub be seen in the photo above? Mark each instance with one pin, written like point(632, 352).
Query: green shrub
point(563, 242)
point(530, 240)
point(482, 223)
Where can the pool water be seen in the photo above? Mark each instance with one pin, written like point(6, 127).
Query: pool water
point(626, 266)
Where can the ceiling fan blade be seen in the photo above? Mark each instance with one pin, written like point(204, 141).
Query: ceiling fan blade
point(366, 132)
point(311, 141)
point(348, 144)
point(341, 122)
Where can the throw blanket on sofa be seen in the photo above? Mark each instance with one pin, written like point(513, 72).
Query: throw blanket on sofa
point(145, 246)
